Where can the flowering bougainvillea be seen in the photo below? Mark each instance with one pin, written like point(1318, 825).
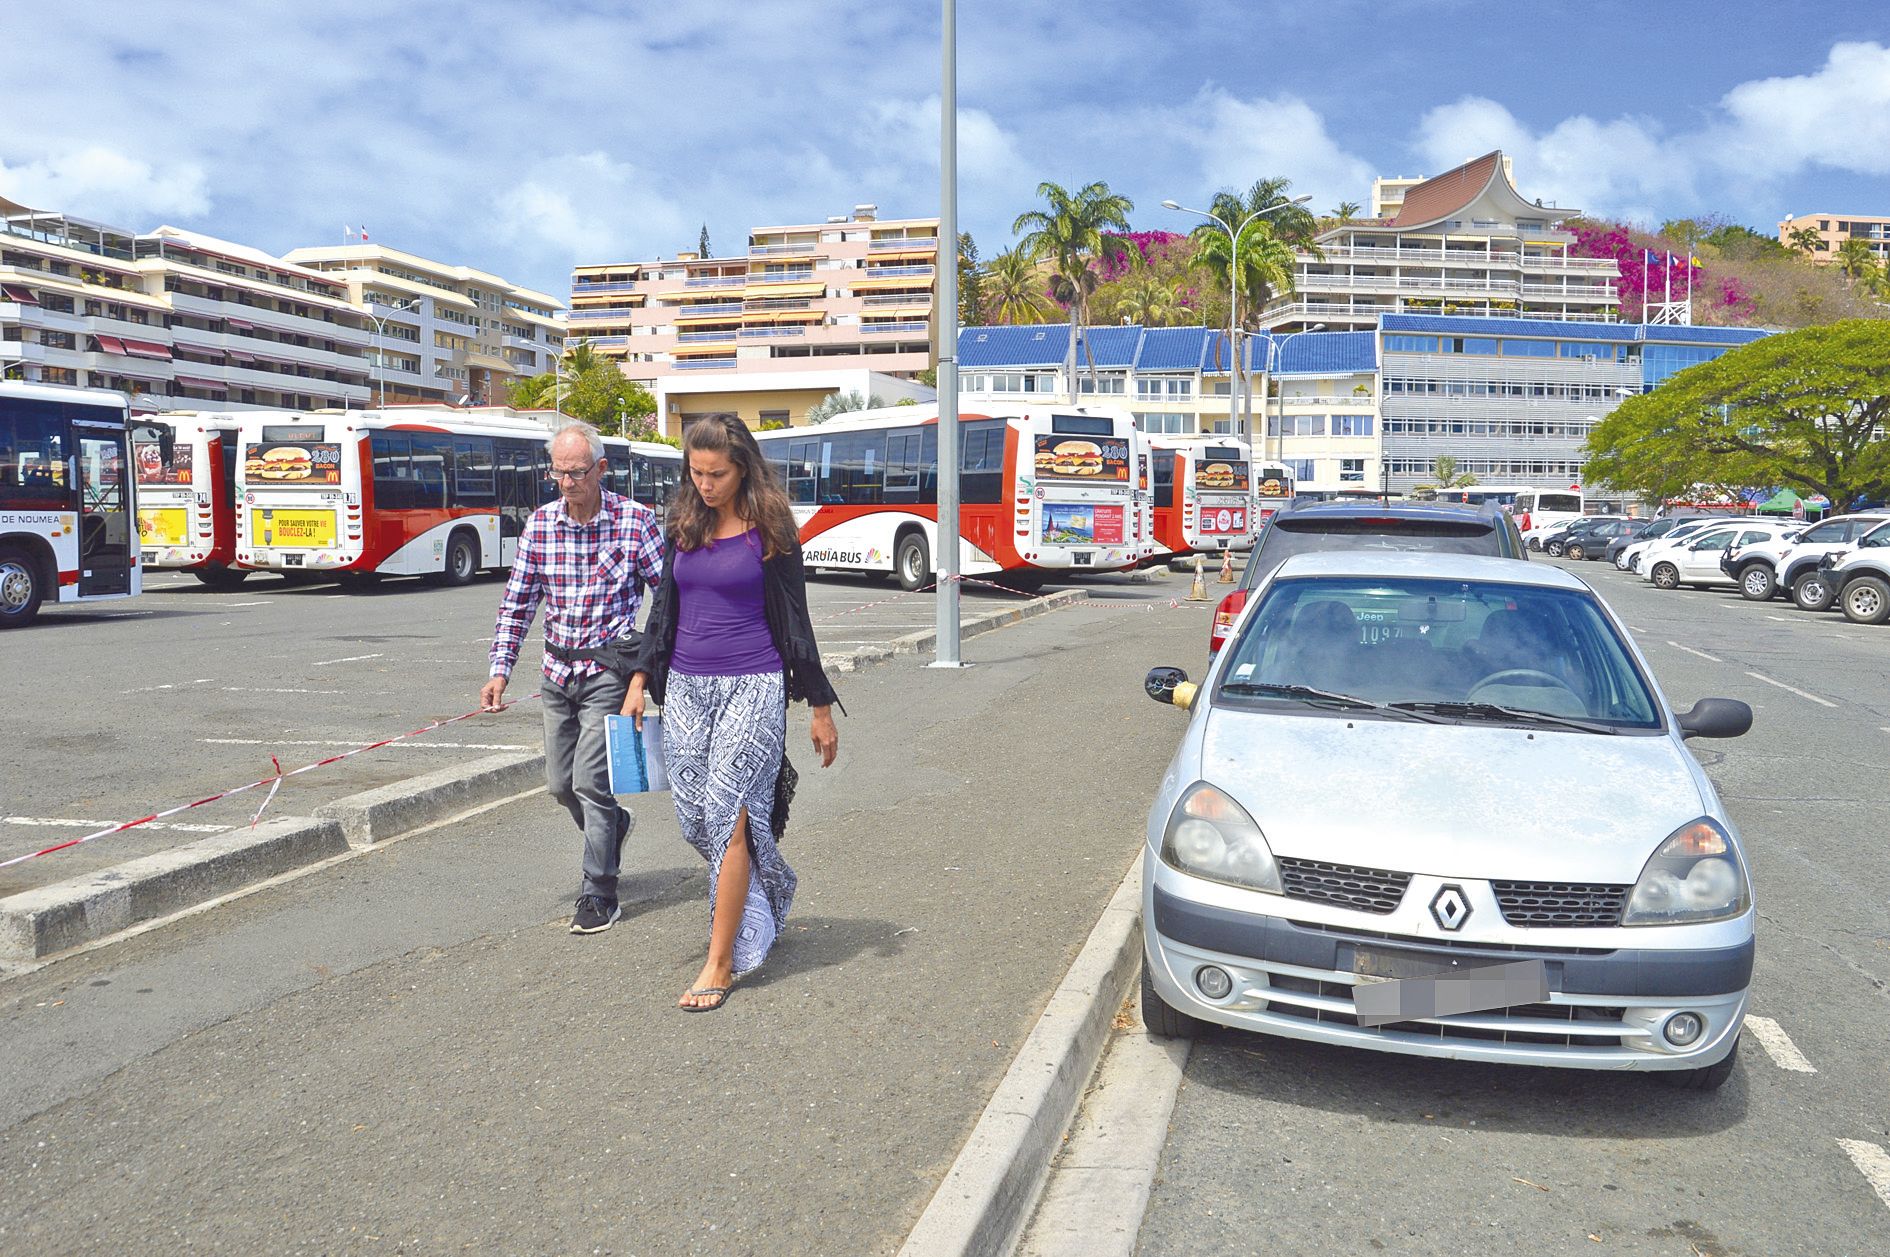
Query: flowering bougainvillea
point(1645, 280)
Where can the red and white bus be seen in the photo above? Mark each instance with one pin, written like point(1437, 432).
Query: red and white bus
point(68, 504)
point(373, 493)
point(1043, 489)
point(1272, 490)
point(1203, 496)
point(186, 463)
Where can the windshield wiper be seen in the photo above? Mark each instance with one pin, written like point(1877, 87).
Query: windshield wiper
point(1321, 698)
point(1492, 712)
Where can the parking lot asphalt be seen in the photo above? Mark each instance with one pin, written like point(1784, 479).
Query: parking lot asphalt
point(406, 1052)
point(1277, 1146)
point(119, 710)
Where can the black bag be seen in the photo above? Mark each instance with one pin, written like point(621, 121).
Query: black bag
point(784, 783)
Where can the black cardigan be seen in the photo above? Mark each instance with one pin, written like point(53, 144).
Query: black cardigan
point(784, 598)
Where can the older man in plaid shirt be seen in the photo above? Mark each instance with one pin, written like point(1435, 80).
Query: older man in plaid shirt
point(587, 557)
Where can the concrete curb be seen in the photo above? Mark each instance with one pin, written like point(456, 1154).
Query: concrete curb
point(917, 643)
point(390, 811)
point(48, 919)
point(991, 1190)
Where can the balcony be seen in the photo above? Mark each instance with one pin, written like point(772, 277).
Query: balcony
point(708, 310)
point(613, 313)
point(900, 299)
point(704, 364)
point(1571, 292)
point(717, 281)
point(778, 277)
point(696, 338)
point(872, 329)
point(581, 289)
point(763, 333)
point(779, 250)
point(910, 242)
point(889, 272)
point(1504, 258)
point(766, 304)
point(599, 341)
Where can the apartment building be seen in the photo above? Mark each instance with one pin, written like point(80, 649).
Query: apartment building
point(1834, 230)
point(1463, 242)
point(1312, 396)
point(1514, 400)
point(442, 333)
point(175, 319)
point(855, 292)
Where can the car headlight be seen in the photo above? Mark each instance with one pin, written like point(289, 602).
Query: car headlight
point(1694, 876)
point(1211, 836)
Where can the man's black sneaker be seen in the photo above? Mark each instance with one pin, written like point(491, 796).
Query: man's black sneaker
point(594, 915)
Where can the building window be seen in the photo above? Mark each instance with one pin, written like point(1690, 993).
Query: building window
point(1112, 384)
point(1299, 468)
point(778, 417)
point(1351, 425)
point(1151, 421)
point(1164, 388)
point(1351, 471)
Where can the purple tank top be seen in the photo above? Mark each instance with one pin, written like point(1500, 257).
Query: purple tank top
point(721, 621)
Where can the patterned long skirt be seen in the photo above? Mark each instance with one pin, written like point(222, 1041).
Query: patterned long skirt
point(722, 739)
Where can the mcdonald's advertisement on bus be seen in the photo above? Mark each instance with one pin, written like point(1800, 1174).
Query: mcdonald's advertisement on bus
point(1273, 485)
point(1079, 458)
point(154, 470)
point(274, 463)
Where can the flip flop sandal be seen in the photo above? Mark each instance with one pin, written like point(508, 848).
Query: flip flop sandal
point(721, 998)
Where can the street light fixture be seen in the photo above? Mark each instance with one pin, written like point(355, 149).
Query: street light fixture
point(380, 351)
point(1266, 378)
point(1233, 294)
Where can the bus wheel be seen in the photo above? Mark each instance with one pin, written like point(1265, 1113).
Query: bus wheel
point(462, 562)
point(22, 586)
point(221, 577)
point(913, 562)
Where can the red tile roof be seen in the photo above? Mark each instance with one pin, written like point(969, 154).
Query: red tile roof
point(1445, 194)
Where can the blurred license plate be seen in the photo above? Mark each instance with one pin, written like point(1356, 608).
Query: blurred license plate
point(1397, 987)
point(1083, 558)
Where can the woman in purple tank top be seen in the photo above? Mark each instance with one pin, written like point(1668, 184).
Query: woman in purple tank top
point(729, 643)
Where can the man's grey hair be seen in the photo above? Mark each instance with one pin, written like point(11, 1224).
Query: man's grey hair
point(584, 430)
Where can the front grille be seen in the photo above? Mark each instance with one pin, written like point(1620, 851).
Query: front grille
point(1365, 890)
point(1453, 944)
point(1562, 905)
point(1550, 1025)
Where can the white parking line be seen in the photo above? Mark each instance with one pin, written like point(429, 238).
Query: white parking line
point(1791, 689)
point(1702, 654)
point(1782, 619)
point(260, 602)
point(402, 746)
point(71, 823)
point(1778, 1045)
point(323, 663)
point(1872, 1162)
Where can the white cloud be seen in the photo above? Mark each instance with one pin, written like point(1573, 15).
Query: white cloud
point(585, 206)
point(102, 183)
point(1247, 139)
point(1837, 117)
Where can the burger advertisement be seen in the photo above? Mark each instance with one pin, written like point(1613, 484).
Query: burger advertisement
point(271, 462)
point(152, 469)
point(1229, 475)
point(1078, 458)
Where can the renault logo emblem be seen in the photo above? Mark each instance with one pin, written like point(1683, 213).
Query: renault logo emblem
point(1450, 909)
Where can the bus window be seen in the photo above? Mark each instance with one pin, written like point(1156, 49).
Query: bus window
point(32, 457)
point(1164, 478)
point(981, 466)
point(473, 478)
point(1570, 502)
point(801, 478)
point(902, 467)
point(393, 472)
point(432, 451)
point(518, 485)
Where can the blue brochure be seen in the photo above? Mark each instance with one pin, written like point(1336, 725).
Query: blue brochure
point(636, 759)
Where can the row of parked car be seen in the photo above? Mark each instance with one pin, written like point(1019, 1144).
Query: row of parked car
point(1842, 561)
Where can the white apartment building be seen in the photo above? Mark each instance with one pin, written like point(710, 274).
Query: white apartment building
point(441, 332)
point(856, 292)
point(1465, 242)
point(174, 319)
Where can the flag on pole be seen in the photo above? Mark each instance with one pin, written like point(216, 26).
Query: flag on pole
point(1668, 269)
point(363, 233)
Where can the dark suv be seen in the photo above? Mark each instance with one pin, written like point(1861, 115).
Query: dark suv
point(1308, 527)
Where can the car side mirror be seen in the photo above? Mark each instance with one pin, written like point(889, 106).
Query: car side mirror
point(1715, 718)
point(1170, 685)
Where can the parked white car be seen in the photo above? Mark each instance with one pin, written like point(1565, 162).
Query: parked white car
point(1860, 578)
point(1544, 875)
point(1782, 566)
point(1694, 559)
point(1629, 560)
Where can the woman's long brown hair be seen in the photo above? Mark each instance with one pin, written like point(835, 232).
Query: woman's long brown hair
point(762, 503)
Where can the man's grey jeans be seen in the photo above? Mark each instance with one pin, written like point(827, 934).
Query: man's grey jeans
point(577, 771)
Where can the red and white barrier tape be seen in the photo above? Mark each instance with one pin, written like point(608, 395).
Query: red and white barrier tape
point(274, 782)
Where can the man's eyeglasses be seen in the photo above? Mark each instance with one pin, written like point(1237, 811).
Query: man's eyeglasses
point(560, 475)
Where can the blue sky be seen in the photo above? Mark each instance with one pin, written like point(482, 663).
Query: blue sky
point(523, 136)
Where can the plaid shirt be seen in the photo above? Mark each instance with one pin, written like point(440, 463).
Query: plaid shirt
point(590, 576)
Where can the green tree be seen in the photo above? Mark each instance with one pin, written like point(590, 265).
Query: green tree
point(1293, 224)
point(1266, 262)
point(590, 387)
point(702, 243)
point(1014, 288)
point(1447, 473)
point(1809, 409)
point(1145, 297)
point(1806, 240)
point(1072, 231)
point(1855, 258)
point(841, 404)
point(970, 283)
point(1345, 212)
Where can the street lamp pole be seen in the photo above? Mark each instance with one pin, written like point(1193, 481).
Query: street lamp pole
point(945, 562)
point(380, 351)
point(1233, 298)
point(1266, 387)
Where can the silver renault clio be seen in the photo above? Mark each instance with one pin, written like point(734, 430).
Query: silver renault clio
point(1436, 804)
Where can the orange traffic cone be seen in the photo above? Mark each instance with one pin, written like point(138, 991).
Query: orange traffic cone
point(1197, 592)
point(1227, 567)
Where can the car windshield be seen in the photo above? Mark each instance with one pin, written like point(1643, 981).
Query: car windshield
point(1288, 535)
point(1471, 650)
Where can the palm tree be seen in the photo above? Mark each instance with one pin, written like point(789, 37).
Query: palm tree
point(1854, 258)
point(1806, 240)
point(1013, 288)
point(1266, 264)
point(1346, 212)
point(1447, 476)
point(1147, 299)
point(1875, 282)
point(1294, 224)
point(1072, 233)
